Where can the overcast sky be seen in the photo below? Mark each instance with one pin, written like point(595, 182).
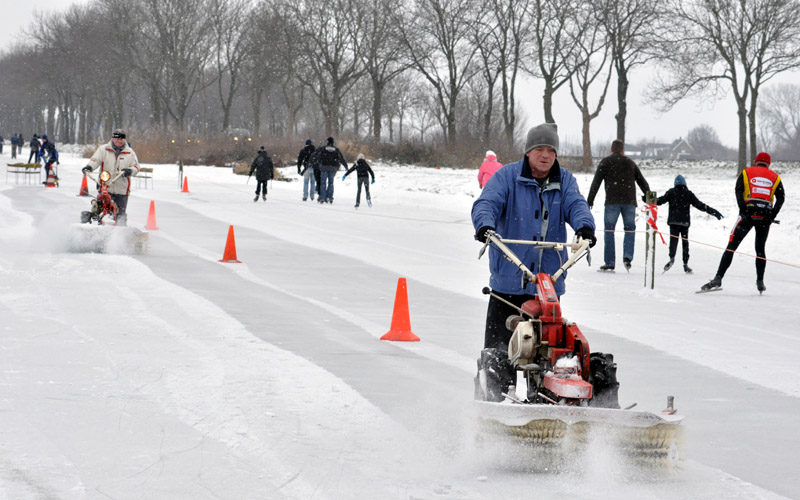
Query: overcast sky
point(644, 122)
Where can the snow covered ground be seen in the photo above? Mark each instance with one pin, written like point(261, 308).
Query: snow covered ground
point(173, 375)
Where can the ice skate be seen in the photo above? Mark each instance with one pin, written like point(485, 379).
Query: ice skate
point(712, 286)
point(760, 286)
point(687, 269)
point(627, 263)
point(668, 266)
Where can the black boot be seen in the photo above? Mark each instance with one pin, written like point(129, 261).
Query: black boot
point(713, 284)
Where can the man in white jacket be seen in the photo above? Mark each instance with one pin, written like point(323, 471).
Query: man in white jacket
point(114, 157)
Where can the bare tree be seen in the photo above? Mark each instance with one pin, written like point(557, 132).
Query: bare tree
point(706, 143)
point(739, 43)
point(776, 50)
point(231, 49)
point(631, 27)
point(328, 36)
point(590, 57)
point(555, 29)
point(179, 34)
point(270, 45)
point(780, 120)
point(423, 116)
point(384, 55)
point(439, 38)
point(510, 38)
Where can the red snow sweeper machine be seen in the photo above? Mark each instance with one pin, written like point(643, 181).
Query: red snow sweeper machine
point(570, 398)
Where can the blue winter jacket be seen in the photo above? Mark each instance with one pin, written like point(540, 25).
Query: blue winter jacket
point(513, 203)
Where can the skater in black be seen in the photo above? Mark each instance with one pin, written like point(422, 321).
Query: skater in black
point(262, 165)
point(760, 195)
point(680, 200)
point(34, 154)
point(50, 156)
point(305, 169)
point(363, 173)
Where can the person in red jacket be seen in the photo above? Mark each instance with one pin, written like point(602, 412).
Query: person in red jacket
point(489, 166)
point(760, 195)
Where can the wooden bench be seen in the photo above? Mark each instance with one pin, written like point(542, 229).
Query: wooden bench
point(145, 174)
point(26, 170)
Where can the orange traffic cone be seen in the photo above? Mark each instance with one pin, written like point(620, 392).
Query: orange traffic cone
point(51, 179)
point(401, 323)
point(230, 248)
point(185, 185)
point(84, 187)
point(151, 218)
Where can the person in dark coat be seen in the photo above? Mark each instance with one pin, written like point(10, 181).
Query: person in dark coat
point(760, 196)
point(680, 200)
point(363, 173)
point(34, 149)
point(305, 169)
point(621, 175)
point(263, 167)
point(1, 144)
point(50, 156)
point(329, 158)
point(14, 143)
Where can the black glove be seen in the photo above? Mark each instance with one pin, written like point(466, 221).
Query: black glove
point(587, 233)
point(126, 172)
point(86, 169)
point(715, 213)
point(481, 234)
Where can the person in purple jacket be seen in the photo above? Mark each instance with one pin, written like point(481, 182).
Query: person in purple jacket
point(532, 199)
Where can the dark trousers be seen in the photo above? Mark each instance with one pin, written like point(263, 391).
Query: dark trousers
point(497, 335)
point(47, 167)
point(34, 154)
point(678, 233)
point(261, 187)
point(365, 182)
point(740, 230)
point(317, 179)
point(121, 201)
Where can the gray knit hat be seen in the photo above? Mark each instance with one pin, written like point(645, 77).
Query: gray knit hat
point(545, 134)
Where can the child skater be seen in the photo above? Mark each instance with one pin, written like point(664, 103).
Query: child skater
point(363, 172)
point(680, 199)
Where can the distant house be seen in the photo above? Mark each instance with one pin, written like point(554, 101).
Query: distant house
point(634, 151)
point(682, 150)
point(678, 149)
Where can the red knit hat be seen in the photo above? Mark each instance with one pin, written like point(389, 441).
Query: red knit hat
point(763, 158)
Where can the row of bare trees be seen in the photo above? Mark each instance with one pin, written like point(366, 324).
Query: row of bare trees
point(424, 70)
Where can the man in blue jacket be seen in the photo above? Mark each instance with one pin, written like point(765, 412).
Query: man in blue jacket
point(532, 200)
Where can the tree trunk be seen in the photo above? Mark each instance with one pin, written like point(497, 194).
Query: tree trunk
point(256, 100)
point(742, 113)
point(622, 101)
point(548, 101)
point(752, 124)
point(487, 117)
point(586, 138)
point(51, 119)
point(377, 119)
